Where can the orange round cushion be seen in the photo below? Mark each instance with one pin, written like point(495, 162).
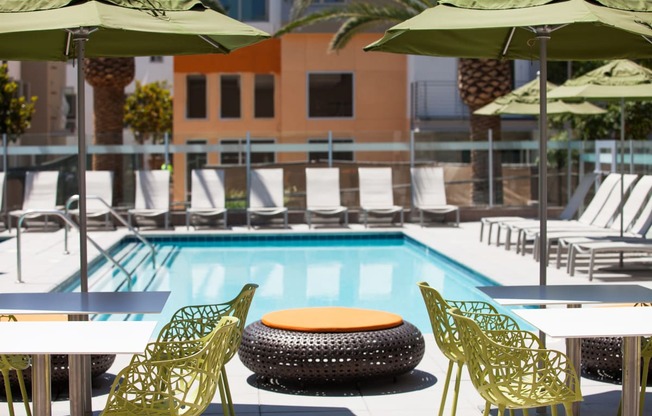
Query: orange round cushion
point(331, 319)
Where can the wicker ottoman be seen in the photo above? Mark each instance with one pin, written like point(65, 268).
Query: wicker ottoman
point(321, 345)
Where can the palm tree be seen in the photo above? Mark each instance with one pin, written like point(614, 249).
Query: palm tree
point(109, 77)
point(480, 81)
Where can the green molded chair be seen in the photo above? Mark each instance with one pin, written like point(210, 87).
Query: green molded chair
point(17, 363)
point(173, 378)
point(512, 377)
point(237, 307)
point(447, 338)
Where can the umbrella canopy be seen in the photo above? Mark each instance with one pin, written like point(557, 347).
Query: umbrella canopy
point(511, 29)
point(525, 101)
point(616, 80)
point(43, 29)
point(580, 30)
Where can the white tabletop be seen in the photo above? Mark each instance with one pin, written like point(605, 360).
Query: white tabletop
point(83, 303)
point(590, 322)
point(568, 294)
point(75, 337)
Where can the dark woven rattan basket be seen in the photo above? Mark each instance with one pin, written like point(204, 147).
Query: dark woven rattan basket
point(602, 359)
point(59, 369)
point(320, 357)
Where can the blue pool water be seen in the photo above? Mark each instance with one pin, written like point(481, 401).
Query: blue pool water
point(367, 271)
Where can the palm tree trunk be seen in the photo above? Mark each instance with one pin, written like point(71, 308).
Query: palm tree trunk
point(108, 131)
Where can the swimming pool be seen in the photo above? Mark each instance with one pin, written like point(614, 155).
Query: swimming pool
point(371, 270)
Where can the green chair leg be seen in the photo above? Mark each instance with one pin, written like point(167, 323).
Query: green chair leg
point(23, 392)
point(456, 393)
point(487, 408)
point(449, 373)
point(224, 384)
point(10, 401)
point(646, 368)
point(553, 410)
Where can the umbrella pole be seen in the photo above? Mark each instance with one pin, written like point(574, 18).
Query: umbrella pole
point(80, 365)
point(622, 171)
point(543, 35)
point(4, 183)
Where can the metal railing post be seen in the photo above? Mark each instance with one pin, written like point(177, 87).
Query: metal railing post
point(248, 167)
point(490, 162)
point(330, 149)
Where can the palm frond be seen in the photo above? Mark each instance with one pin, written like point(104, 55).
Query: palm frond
point(298, 8)
point(215, 5)
point(370, 13)
point(349, 29)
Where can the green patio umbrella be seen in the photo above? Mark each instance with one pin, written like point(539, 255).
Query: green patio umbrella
point(620, 80)
point(66, 29)
point(74, 29)
point(511, 29)
point(525, 101)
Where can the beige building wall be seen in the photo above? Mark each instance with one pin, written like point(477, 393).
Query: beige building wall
point(380, 97)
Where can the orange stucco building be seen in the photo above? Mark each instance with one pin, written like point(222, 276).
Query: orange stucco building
point(290, 90)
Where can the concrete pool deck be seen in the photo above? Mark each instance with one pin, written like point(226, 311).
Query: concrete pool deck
point(418, 393)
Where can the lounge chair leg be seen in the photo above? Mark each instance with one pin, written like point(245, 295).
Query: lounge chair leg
point(570, 266)
point(285, 219)
point(489, 230)
point(248, 221)
point(457, 218)
point(187, 220)
point(401, 218)
point(346, 219)
point(591, 263)
point(481, 229)
point(308, 219)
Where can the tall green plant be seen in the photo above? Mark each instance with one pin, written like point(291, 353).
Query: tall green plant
point(148, 111)
point(15, 111)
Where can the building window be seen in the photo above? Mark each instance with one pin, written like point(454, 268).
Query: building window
point(337, 155)
point(196, 101)
point(264, 96)
point(239, 157)
point(156, 59)
point(194, 161)
point(230, 96)
point(330, 95)
point(247, 10)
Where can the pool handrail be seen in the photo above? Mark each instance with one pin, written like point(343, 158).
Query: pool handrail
point(117, 216)
point(67, 220)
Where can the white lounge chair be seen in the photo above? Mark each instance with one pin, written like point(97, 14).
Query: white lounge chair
point(634, 241)
point(207, 197)
point(377, 193)
point(573, 205)
point(632, 210)
point(40, 195)
point(527, 230)
point(99, 194)
point(429, 193)
point(604, 217)
point(323, 194)
point(152, 195)
point(266, 195)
